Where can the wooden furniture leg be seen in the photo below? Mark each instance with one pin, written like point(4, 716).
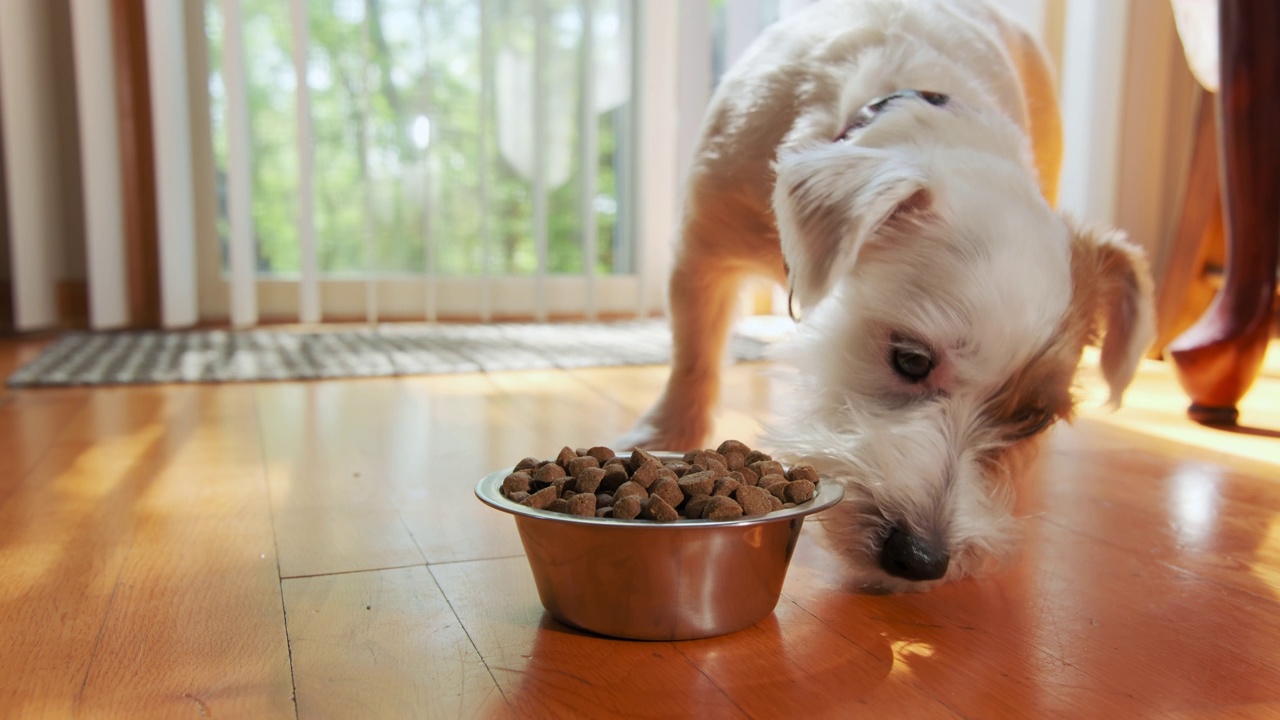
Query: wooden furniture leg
point(1199, 226)
point(1219, 357)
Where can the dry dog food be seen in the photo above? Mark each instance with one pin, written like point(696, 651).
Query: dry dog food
point(727, 483)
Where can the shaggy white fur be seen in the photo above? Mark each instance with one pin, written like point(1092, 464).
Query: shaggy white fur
point(946, 304)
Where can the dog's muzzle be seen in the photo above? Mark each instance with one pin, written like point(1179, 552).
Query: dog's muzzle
point(872, 110)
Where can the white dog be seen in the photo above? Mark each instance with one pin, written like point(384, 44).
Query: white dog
point(893, 163)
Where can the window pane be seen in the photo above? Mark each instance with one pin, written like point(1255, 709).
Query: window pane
point(401, 167)
point(273, 142)
point(340, 127)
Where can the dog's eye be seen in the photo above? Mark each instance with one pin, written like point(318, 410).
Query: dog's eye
point(913, 365)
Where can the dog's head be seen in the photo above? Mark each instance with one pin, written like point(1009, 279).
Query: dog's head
point(946, 307)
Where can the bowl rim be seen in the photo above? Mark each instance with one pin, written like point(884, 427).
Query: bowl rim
point(489, 491)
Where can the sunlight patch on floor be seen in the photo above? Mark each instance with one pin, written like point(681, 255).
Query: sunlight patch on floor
point(1156, 405)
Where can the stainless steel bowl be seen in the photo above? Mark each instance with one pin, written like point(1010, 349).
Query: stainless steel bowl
point(645, 580)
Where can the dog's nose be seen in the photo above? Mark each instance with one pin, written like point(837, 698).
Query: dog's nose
point(911, 558)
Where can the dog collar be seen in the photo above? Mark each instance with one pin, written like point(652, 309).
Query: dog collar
point(872, 109)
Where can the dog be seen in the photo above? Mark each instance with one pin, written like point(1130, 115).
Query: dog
point(894, 164)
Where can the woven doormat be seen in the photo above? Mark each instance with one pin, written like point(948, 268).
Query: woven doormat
point(126, 358)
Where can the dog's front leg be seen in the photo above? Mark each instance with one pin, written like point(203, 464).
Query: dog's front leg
point(703, 291)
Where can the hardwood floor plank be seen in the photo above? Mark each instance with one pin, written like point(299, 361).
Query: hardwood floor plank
point(139, 574)
point(30, 424)
point(749, 397)
point(554, 408)
point(346, 460)
point(1257, 711)
point(97, 545)
point(1213, 521)
point(196, 624)
point(383, 644)
point(320, 541)
point(1156, 408)
point(958, 643)
point(548, 670)
point(16, 352)
point(793, 665)
point(64, 534)
point(1051, 632)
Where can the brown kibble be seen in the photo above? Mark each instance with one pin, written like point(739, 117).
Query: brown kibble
point(629, 489)
point(769, 481)
point(516, 482)
point(721, 508)
point(601, 454)
point(645, 474)
point(779, 490)
point(679, 467)
point(735, 461)
point(799, 491)
point(700, 483)
point(566, 454)
point(729, 446)
point(542, 498)
point(768, 467)
point(549, 473)
point(656, 508)
point(589, 480)
point(711, 459)
point(627, 508)
point(727, 483)
point(803, 471)
point(578, 464)
point(694, 507)
point(746, 476)
point(668, 490)
point(614, 477)
point(754, 500)
point(583, 504)
point(640, 457)
point(726, 486)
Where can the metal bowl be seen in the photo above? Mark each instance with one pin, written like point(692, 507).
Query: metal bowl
point(646, 580)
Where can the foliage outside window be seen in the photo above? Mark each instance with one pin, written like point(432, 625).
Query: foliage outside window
point(402, 156)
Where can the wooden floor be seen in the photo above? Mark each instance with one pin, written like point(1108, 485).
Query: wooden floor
point(314, 549)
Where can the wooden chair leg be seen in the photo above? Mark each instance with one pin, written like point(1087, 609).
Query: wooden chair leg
point(1219, 357)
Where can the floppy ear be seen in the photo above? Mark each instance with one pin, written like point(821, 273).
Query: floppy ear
point(829, 200)
point(1111, 277)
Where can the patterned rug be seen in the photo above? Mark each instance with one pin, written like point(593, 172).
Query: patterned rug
point(142, 357)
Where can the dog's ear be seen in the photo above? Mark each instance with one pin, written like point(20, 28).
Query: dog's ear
point(829, 201)
point(1112, 285)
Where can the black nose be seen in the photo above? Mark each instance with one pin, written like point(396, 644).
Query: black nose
point(910, 558)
